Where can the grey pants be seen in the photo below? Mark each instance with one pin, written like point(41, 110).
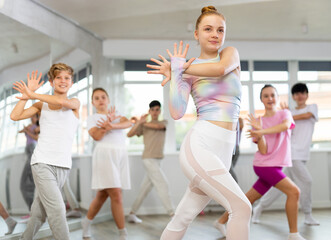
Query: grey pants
point(48, 202)
point(301, 177)
point(69, 195)
point(234, 162)
point(27, 184)
point(154, 177)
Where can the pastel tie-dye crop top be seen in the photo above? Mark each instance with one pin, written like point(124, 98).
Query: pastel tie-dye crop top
point(216, 98)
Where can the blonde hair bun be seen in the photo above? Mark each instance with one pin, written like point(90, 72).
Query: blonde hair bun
point(208, 9)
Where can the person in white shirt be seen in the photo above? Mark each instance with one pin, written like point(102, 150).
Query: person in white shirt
point(110, 163)
point(51, 159)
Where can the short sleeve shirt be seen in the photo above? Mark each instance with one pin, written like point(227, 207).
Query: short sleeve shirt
point(113, 137)
point(153, 140)
point(278, 144)
point(303, 132)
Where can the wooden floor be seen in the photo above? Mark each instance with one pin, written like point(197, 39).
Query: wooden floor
point(273, 226)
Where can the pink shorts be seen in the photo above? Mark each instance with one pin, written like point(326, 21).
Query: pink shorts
point(268, 177)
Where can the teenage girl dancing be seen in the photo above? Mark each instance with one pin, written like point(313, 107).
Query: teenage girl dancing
point(272, 134)
point(110, 168)
point(206, 151)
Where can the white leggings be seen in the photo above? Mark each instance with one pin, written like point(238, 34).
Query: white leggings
point(205, 158)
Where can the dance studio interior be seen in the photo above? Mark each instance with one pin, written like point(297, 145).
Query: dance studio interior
point(108, 44)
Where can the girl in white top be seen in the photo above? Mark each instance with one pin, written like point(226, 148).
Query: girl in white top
point(51, 159)
point(110, 167)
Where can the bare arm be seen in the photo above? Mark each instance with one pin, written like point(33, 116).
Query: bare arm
point(124, 123)
point(286, 124)
point(19, 113)
point(303, 116)
point(134, 129)
point(229, 61)
point(97, 133)
point(58, 101)
point(156, 126)
point(262, 145)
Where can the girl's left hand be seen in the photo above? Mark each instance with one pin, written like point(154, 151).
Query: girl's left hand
point(105, 124)
point(112, 114)
point(254, 122)
point(164, 67)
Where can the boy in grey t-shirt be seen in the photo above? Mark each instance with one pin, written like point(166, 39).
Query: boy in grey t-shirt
point(154, 137)
point(305, 117)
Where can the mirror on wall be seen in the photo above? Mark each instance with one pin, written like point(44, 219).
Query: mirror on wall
point(22, 50)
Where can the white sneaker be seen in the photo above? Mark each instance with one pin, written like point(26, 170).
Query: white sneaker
point(310, 221)
point(74, 214)
point(220, 227)
point(256, 214)
point(123, 234)
point(132, 218)
point(295, 236)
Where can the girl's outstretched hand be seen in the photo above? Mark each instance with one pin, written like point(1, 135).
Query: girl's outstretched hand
point(255, 123)
point(33, 84)
point(164, 66)
point(111, 116)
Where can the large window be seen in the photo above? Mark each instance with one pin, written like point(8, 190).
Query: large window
point(317, 76)
point(254, 75)
point(140, 89)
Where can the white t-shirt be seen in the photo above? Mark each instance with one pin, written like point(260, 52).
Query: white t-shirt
point(303, 132)
point(113, 137)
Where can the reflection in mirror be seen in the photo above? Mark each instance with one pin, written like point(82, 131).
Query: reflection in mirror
point(23, 50)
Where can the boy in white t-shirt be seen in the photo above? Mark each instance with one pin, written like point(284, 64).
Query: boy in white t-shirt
point(305, 117)
point(51, 159)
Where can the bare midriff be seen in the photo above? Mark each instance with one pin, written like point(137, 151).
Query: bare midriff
point(227, 125)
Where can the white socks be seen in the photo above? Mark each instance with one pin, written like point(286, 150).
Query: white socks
point(220, 227)
point(309, 220)
point(123, 234)
point(11, 224)
point(132, 218)
point(257, 213)
point(86, 225)
point(295, 236)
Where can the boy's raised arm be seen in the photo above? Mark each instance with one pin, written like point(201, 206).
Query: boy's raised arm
point(19, 113)
point(73, 103)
